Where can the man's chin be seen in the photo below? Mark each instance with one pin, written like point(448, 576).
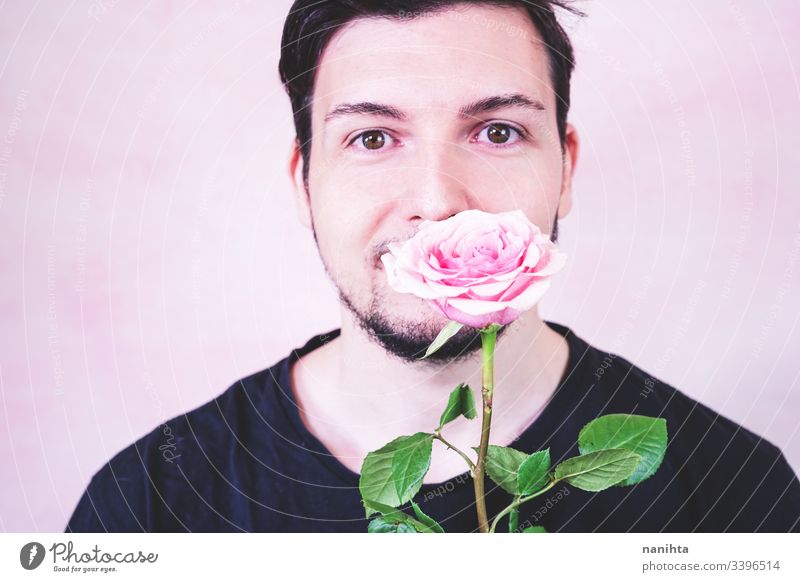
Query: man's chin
point(405, 326)
point(409, 339)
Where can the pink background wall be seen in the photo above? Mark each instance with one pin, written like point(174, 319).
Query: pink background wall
point(151, 256)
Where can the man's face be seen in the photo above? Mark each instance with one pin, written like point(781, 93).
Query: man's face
point(418, 120)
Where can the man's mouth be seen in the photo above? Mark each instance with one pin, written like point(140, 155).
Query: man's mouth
point(382, 251)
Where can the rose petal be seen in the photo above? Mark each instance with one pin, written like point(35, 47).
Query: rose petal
point(476, 306)
point(488, 290)
point(428, 272)
point(443, 290)
point(532, 257)
point(503, 317)
point(554, 263)
point(530, 296)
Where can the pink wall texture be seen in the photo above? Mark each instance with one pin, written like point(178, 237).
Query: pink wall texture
point(151, 255)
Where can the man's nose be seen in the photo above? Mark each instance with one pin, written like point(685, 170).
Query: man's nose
point(435, 185)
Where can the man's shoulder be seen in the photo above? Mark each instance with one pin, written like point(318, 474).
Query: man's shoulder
point(227, 417)
point(182, 454)
point(623, 383)
point(730, 477)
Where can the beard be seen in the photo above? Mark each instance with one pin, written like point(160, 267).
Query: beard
point(403, 339)
point(409, 340)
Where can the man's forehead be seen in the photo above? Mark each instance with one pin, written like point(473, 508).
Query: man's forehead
point(452, 51)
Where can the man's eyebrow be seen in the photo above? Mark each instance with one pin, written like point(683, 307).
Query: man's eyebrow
point(495, 102)
point(468, 111)
point(365, 108)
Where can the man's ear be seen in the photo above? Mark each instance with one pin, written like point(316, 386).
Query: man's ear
point(571, 148)
point(302, 201)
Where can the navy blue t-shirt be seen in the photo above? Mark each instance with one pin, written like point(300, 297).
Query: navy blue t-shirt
point(246, 462)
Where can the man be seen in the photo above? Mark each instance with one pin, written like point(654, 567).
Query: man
point(410, 111)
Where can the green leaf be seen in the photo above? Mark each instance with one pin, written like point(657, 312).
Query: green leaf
point(384, 481)
point(643, 435)
point(380, 525)
point(410, 463)
point(377, 481)
point(502, 466)
point(532, 473)
point(461, 401)
point(393, 515)
point(426, 519)
point(513, 520)
point(447, 332)
point(598, 470)
point(534, 529)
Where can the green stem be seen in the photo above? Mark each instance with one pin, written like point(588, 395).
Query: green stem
point(519, 501)
point(438, 435)
point(488, 339)
point(513, 520)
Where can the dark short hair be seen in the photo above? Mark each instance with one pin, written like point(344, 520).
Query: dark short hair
point(311, 24)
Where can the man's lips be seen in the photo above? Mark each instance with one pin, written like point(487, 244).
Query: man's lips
point(381, 251)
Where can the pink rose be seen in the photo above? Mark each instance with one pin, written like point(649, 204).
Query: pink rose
point(476, 267)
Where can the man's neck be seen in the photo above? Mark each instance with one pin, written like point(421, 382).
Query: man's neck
point(355, 397)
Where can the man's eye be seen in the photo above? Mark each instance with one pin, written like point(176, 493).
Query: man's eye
point(501, 134)
point(372, 139)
